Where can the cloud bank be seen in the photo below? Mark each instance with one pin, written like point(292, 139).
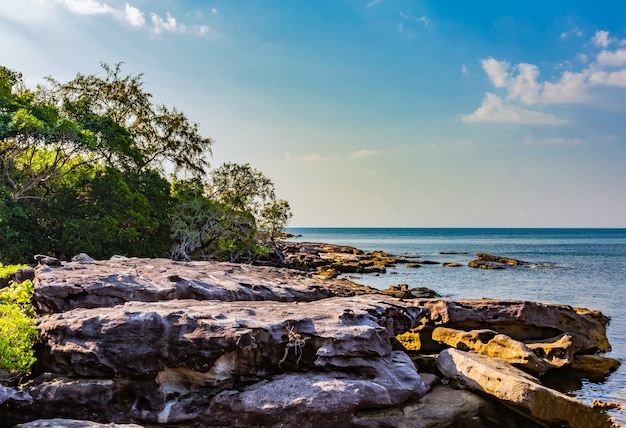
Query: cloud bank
point(526, 95)
point(133, 16)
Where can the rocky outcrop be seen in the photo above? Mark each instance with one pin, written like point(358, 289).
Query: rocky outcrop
point(162, 343)
point(520, 320)
point(489, 261)
point(519, 390)
point(325, 258)
point(114, 282)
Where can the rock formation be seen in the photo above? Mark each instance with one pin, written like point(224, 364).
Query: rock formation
point(160, 343)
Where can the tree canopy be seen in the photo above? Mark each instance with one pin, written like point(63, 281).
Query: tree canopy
point(93, 165)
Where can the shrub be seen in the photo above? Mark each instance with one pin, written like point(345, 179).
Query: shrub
point(18, 328)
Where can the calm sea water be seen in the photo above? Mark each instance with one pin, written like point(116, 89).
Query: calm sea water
point(578, 267)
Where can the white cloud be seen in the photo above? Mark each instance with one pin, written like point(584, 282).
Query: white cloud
point(573, 32)
point(87, 7)
point(364, 153)
point(202, 30)
point(316, 157)
point(422, 19)
point(134, 16)
point(543, 141)
point(464, 69)
point(169, 24)
point(614, 58)
point(311, 157)
point(571, 88)
point(601, 39)
point(522, 85)
point(372, 3)
point(495, 109)
point(614, 78)
point(497, 71)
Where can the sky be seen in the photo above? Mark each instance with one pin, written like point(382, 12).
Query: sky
point(374, 113)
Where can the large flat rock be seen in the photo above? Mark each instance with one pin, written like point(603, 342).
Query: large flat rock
point(251, 340)
point(114, 282)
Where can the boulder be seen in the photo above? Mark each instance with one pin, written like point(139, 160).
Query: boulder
point(318, 399)
point(556, 352)
point(10, 394)
point(595, 364)
point(441, 407)
point(519, 390)
point(520, 320)
point(114, 282)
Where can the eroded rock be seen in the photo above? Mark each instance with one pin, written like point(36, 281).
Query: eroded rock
point(520, 320)
point(519, 390)
point(491, 344)
point(114, 282)
point(318, 399)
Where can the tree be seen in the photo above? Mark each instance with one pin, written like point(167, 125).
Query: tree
point(129, 126)
point(274, 218)
point(244, 188)
point(84, 167)
point(206, 229)
point(37, 143)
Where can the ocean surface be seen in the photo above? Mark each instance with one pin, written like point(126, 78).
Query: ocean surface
point(578, 267)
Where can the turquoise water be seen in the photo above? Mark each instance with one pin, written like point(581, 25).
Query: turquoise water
point(578, 267)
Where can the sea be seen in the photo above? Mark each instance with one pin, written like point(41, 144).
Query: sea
point(578, 267)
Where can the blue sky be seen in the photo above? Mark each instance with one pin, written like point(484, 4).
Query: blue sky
point(375, 112)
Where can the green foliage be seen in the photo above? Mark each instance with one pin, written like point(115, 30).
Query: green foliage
point(206, 229)
point(83, 169)
point(246, 189)
point(6, 271)
point(18, 328)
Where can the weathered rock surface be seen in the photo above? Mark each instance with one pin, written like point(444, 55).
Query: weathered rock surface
point(595, 364)
point(442, 407)
point(119, 280)
point(491, 344)
point(142, 337)
point(520, 390)
point(167, 362)
point(164, 343)
point(11, 394)
point(341, 258)
point(520, 320)
point(318, 399)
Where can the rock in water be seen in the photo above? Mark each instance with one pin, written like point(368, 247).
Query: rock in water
point(519, 390)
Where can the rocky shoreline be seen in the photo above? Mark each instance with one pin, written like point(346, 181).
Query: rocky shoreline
point(156, 343)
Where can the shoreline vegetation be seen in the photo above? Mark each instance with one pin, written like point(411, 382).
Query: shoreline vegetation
point(157, 342)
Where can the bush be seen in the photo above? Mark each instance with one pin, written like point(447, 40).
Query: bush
point(18, 328)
